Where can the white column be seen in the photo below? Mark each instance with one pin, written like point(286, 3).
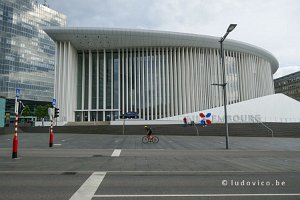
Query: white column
point(151, 84)
point(204, 76)
point(159, 85)
point(56, 72)
point(63, 112)
point(147, 84)
point(155, 87)
point(219, 78)
point(164, 82)
point(90, 86)
point(171, 83)
point(175, 82)
point(183, 82)
point(75, 82)
point(194, 80)
point(143, 82)
point(127, 81)
point(197, 80)
point(83, 81)
point(139, 79)
point(104, 84)
point(119, 81)
point(212, 78)
point(187, 81)
point(238, 55)
point(123, 82)
point(61, 78)
point(135, 85)
point(112, 83)
point(130, 79)
point(168, 82)
point(97, 92)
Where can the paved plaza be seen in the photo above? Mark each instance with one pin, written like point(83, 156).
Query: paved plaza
point(91, 166)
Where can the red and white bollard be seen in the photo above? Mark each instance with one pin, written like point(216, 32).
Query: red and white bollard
point(15, 140)
point(51, 135)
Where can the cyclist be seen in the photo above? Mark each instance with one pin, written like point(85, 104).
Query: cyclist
point(149, 132)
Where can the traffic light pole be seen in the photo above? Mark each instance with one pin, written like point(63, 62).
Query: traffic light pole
point(51, 134)
point(53, 114)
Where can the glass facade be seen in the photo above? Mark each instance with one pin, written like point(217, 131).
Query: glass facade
point(27, 54)
point(104, 89)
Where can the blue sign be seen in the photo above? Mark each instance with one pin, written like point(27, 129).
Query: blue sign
point(18, 92)
point(53, 102)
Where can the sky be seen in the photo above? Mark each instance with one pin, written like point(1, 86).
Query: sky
point(273, 25)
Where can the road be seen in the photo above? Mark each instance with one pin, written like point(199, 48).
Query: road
point(83, 166)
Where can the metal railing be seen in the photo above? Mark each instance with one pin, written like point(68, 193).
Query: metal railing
point(272, 133)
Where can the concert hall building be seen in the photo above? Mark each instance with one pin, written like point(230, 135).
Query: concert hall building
point(101, 73)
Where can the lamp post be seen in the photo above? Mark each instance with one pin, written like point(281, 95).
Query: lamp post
point(230, 28)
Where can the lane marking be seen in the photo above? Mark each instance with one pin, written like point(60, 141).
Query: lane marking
point(193, 195)
point(89, 187)
point(57, 144)
point(116, 153)
point(143, 172)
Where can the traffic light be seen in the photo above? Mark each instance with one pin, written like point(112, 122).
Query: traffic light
point(56, 112)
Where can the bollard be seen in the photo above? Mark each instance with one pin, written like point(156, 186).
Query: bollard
point(15, 140)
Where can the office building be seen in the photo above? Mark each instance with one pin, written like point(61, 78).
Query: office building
point(27, 53)
point(289, 85)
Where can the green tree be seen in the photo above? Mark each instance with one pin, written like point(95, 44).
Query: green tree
point(26, 111)
point(41, 112)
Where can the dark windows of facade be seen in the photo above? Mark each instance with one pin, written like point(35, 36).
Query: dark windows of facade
point(289, 85)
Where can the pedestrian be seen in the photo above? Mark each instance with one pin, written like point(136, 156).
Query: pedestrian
point(184, 121)
point(189, 120)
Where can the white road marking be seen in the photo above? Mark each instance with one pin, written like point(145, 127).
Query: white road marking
point(89, 187)
point(193, 195)
point(143, 172)
point(57, 144)
point(116, 153)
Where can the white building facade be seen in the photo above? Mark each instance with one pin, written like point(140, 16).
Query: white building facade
point(102, 73)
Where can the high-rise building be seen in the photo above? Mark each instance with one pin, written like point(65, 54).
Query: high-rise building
point(27, 54)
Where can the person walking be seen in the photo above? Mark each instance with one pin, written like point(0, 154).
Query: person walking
point(184, 121)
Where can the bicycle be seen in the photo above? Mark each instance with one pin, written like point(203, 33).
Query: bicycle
point(153, 139)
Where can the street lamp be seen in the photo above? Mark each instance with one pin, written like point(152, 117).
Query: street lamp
point(230, 28)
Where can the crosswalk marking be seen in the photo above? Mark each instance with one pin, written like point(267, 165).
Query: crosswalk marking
point(116, 153)
point(89, 187)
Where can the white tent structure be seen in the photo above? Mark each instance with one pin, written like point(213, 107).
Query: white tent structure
point(271, 108)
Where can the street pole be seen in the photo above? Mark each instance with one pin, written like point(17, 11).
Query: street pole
point(230, 28)
point(224, 93)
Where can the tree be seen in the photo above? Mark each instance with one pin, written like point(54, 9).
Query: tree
point(26, 111)
point(41, 112)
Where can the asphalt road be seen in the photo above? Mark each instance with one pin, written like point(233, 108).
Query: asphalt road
point(106, 167)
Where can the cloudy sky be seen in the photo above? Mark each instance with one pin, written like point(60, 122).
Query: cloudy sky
point(270, 24)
